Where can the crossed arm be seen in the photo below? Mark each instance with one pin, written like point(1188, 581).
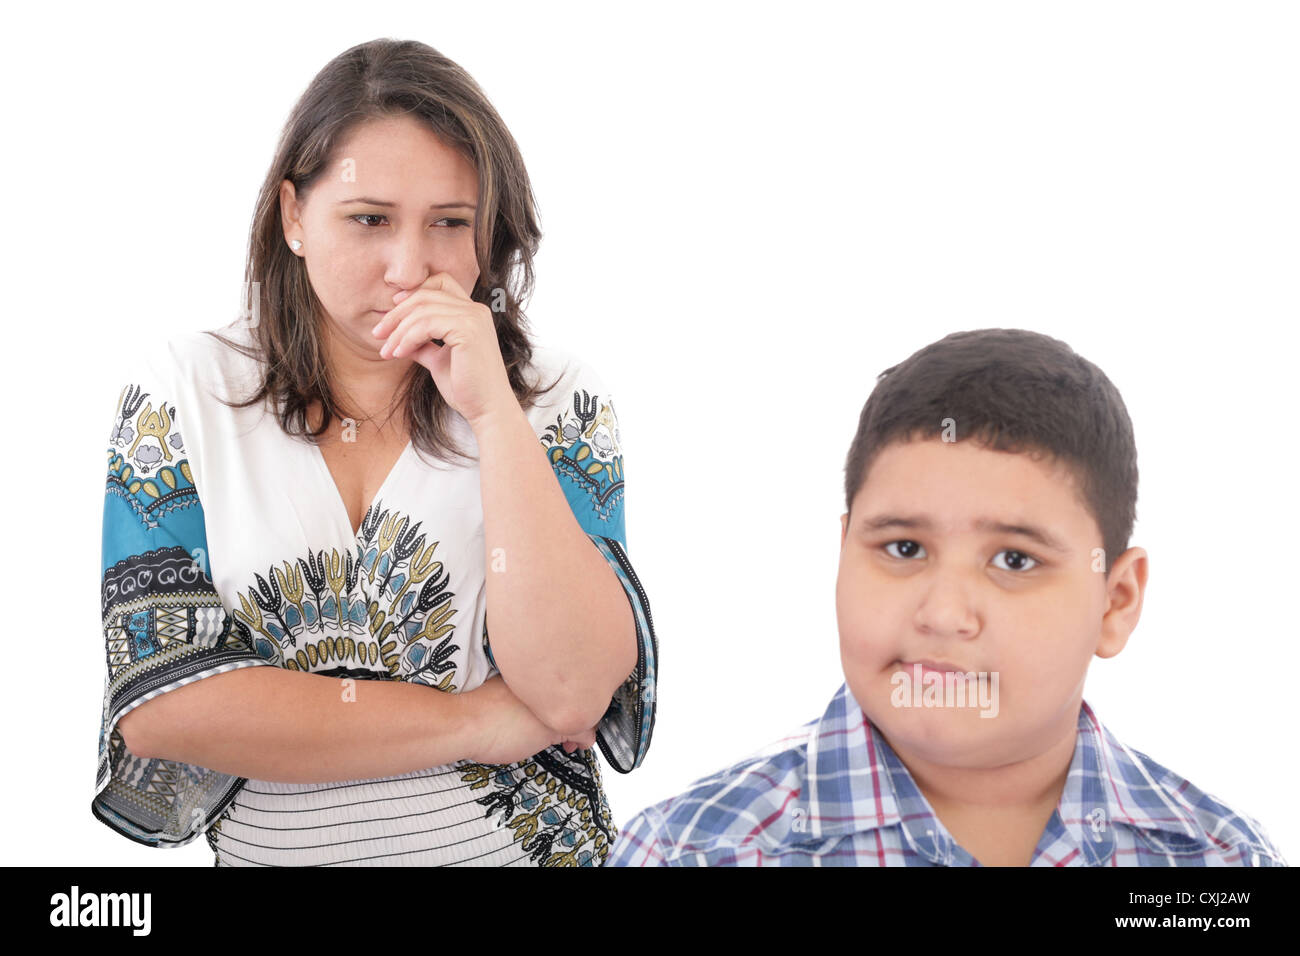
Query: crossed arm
point(562, 630)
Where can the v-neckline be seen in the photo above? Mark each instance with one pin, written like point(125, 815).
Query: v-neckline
point(341, 506)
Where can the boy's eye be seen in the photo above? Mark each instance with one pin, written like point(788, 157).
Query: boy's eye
point(1014, 560)
point(1017, 561)
point(908, 549)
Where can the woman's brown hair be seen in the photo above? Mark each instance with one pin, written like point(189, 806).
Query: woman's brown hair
point(373, 80)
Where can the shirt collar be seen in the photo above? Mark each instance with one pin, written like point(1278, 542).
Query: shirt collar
point(1108, 785)
point(855, 783)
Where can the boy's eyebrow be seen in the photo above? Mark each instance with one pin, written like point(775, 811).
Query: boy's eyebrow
point(988, 525)
point(382, 202)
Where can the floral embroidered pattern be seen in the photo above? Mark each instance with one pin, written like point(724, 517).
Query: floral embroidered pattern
point(553, 802)
point(383, 614)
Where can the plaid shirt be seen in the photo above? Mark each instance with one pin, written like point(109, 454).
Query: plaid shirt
point(836, 794)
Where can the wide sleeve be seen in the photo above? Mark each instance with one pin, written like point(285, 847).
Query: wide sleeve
point(164, 623)
point(582, 441)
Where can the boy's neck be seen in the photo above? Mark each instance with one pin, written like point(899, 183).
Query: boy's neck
point(1015, 800)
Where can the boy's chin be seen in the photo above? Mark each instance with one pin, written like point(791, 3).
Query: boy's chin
point(951, 736)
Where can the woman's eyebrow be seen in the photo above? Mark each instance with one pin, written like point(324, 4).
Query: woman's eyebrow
point(989, 525)
point(382, 202)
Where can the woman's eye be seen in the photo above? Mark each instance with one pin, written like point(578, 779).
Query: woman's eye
point(372, 215)
point(906, 549)
point(1016, 561)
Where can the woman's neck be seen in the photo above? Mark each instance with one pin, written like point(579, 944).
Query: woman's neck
point(369, 387)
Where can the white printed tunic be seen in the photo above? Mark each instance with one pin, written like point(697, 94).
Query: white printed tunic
point(226, 544)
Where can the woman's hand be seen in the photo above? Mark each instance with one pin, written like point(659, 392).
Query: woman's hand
point(467, 367)
point(506, 731)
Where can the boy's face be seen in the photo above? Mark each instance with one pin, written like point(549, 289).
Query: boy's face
point(939, 563)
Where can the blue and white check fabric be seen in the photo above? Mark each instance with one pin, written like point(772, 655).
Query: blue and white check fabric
point(835, 794)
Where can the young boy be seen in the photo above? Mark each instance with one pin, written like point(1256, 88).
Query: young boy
point(984, 559)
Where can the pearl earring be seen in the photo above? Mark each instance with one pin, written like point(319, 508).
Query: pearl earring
point(295, 244)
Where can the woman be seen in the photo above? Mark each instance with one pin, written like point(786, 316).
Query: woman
point(295, 598)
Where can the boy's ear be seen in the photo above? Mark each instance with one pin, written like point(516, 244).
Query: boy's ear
point(1125, 586)
point(844, 528)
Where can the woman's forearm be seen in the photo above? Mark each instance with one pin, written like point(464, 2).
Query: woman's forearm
point(559, 621)
point(269, 723)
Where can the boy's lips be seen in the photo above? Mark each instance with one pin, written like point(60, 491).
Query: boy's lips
point(929, 665)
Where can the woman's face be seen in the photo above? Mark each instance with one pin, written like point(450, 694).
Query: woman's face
point(394, 206)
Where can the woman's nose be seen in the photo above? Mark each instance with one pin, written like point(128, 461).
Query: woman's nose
point(410, 262)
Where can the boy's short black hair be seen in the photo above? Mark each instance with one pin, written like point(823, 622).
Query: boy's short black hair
point(1015, 391)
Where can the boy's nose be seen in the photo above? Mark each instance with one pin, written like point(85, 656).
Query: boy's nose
point(947, 609)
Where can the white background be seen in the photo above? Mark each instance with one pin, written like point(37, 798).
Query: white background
point(749, 212)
